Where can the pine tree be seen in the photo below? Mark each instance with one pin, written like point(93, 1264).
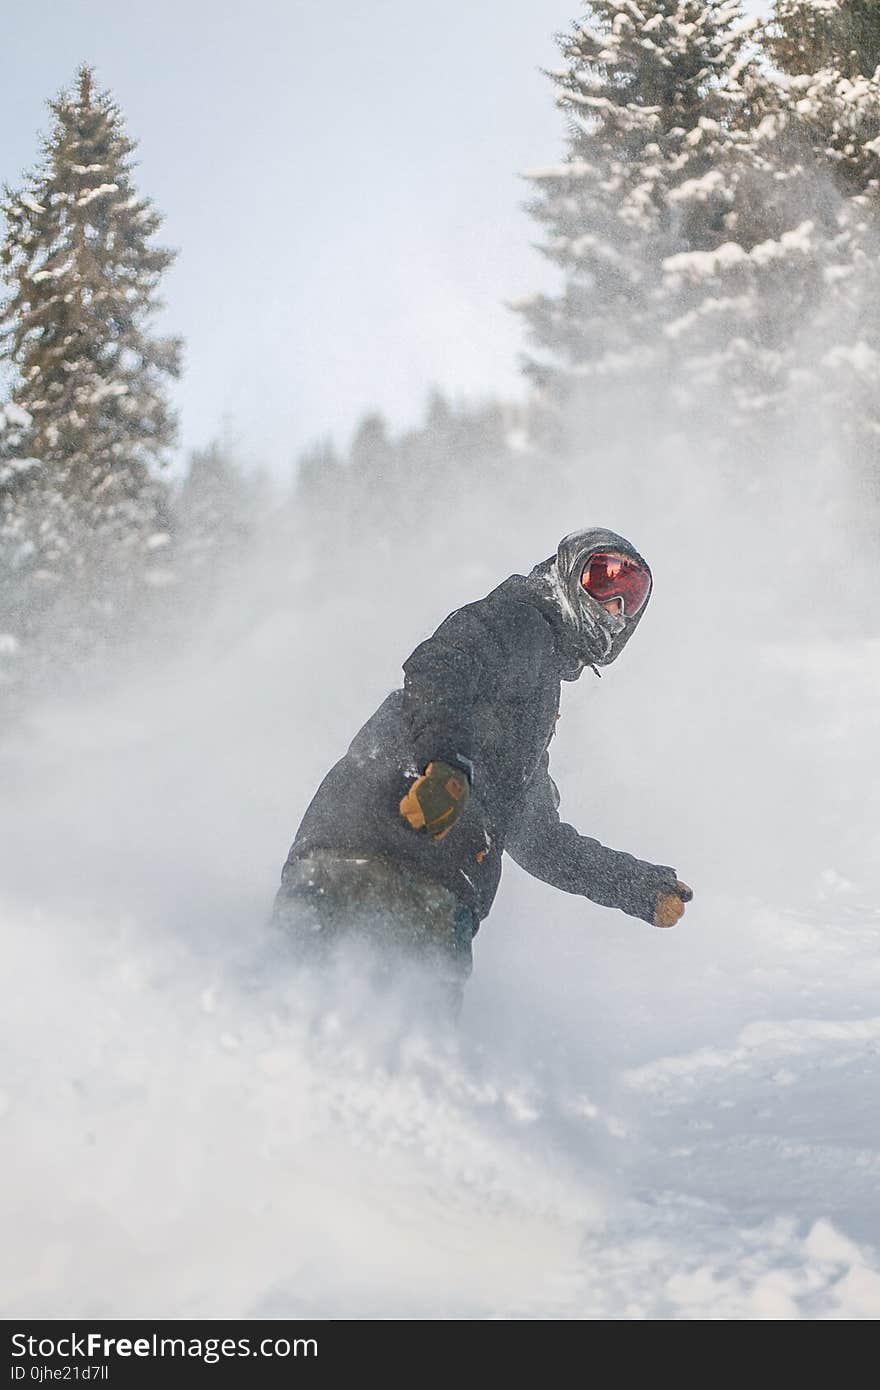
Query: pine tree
point(15, 467)
point(217, 511)
point(780, 321)
point(90, 520)
point(805, 36)
point(828, 61)
point(17, 480)
point(827, 57)
point(372, 474)
point(83, 278)
point(320, 481)
point(653, 93)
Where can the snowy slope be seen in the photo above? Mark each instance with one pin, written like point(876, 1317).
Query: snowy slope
point(629, 1123)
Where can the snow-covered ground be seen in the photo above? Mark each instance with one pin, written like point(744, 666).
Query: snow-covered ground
point(627, 1124)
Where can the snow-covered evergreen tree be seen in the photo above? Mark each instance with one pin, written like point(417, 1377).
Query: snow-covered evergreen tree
point(827, 55)
point(652, 91)
point(805, 36)
point(217, 512)
point(82, 276)
point(319, 481)
point(372, 476)
point(712, 220)
point(17, 473)
point(769, 308)
point(782, 319)
point(83, 279)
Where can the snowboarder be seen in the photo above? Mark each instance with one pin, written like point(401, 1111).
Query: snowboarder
point(403, 840)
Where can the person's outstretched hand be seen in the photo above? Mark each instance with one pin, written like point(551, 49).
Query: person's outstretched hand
point(670, 906)
point(435, 800)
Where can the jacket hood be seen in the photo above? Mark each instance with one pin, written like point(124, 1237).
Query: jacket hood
point(586, 635)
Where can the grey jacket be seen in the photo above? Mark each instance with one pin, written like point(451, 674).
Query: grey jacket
point(483, 692)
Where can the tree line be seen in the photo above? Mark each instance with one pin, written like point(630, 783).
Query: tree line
point(713, 225)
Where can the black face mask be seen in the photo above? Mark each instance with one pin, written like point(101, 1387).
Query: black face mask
point(597, 637)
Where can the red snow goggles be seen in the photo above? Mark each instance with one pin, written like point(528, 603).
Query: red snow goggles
point(608, 575)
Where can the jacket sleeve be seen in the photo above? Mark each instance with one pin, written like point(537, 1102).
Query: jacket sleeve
point(553, 851)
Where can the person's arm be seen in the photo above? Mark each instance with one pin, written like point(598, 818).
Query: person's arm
point(553, 851)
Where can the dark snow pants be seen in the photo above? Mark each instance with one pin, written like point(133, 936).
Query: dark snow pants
point(328, 898)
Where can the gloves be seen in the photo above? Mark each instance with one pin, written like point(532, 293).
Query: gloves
point(435, 801)
point(670, 906)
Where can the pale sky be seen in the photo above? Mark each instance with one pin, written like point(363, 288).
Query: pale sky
point(341, 182)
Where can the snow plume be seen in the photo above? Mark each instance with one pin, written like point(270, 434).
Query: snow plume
point(628, 1123)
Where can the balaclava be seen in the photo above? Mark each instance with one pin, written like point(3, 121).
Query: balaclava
point(587, 634)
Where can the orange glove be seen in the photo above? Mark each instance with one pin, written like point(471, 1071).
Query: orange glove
point(435, 801)
point(670, 906)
